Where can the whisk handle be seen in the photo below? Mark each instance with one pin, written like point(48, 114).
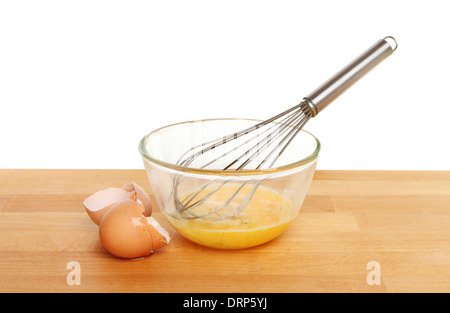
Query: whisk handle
point(341, 81)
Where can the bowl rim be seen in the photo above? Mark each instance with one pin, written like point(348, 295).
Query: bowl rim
point(144, 153)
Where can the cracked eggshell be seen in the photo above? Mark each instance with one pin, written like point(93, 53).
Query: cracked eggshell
point(141, 195)
point(160, 237)
point(125, 232)
point(99, 203)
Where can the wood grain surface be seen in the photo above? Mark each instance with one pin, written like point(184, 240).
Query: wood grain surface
point(400, 219)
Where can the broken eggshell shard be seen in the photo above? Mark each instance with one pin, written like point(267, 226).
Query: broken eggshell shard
point(160, 237)
point(125, 232)
point(141, 195)
point(99, 203)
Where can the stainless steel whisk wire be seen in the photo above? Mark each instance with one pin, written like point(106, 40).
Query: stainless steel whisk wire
point(292, 123)
point(278, 130)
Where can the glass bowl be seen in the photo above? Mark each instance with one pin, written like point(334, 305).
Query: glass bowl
point(244, 208)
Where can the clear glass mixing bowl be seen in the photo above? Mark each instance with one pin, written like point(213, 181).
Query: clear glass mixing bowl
point(264, 202)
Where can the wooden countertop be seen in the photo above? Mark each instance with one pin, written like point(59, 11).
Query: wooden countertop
point(399, 219)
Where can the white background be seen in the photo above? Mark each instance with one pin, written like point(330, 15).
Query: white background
point(82, 81)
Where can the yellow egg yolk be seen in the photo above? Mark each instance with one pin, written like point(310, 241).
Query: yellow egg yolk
point(263, 218)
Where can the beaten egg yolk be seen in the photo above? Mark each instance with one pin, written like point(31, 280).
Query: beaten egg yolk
point(264, 218)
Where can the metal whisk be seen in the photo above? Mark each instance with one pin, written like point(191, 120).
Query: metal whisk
point(271, 138)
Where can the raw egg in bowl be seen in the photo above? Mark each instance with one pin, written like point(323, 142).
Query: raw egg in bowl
point(232, 208)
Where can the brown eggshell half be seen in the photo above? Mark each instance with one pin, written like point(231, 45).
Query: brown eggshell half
point(141, 195)
point(99, 203)
point(124, 230)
